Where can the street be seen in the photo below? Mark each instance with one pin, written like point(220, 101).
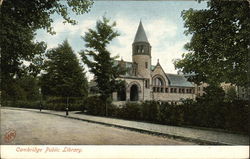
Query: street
point(33, 128)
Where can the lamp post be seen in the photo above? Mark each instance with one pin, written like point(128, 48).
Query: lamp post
point(67, 107)
point(40, 93)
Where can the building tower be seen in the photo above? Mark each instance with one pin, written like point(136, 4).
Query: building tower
point(141, 55)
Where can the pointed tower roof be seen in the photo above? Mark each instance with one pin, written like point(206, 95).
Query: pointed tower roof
point(140, 34)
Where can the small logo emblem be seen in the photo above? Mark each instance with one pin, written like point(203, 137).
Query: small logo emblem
point(9, 135)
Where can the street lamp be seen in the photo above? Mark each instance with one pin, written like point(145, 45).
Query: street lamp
point(40, 93)
point(67, 107)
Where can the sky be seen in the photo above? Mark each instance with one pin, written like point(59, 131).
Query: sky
point(161, 20)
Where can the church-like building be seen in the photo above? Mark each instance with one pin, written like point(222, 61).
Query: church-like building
point(145, 81)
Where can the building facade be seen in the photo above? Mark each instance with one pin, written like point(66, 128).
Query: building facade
point(145, 81)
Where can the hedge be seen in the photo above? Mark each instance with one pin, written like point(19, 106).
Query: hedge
point(51, 103)
point(231, 116)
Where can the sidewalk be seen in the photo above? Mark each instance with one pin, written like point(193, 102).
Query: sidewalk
point(192, 134)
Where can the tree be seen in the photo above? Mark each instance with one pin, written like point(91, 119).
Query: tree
point(214, 94)
point(218, 50)
point(19, 19)
point(30, 85)
point(231, 94)
point(99, 60)
point(23, 88)
point(63, 77)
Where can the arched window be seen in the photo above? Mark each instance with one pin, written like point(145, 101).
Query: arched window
point(158, 82)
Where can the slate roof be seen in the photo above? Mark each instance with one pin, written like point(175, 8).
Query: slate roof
point(178, 80)
point(140, 34)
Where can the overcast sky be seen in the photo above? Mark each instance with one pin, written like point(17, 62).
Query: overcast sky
point(161, 20)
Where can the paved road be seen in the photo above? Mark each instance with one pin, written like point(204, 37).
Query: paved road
point(37, 128)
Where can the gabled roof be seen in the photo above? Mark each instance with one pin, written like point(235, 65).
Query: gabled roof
point(178, 80)
point(140, 34)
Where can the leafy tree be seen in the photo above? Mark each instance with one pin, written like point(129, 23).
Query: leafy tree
point(213, 94)
point(23, 88)
point(30, 85)
point(12, 93)
point(63, 77)
point(19, 19)
point(231, 94)
point(99, 60)
point(218, 50)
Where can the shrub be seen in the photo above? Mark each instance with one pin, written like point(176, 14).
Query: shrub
point(174, 114)
point(131, 111)
point(231, 116)
point(237, 116)
point(60, 103)
point(94, 106)
point(26, 104)
point(150, 111)
point(162, 115)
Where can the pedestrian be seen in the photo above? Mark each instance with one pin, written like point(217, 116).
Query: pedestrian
point(40, 106)
point(67, 111)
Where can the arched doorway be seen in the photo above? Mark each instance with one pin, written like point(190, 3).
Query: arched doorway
point(134, 93)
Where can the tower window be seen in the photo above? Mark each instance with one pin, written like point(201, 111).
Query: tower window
point(137, 49)
point(142, 49)
point(146, 64)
